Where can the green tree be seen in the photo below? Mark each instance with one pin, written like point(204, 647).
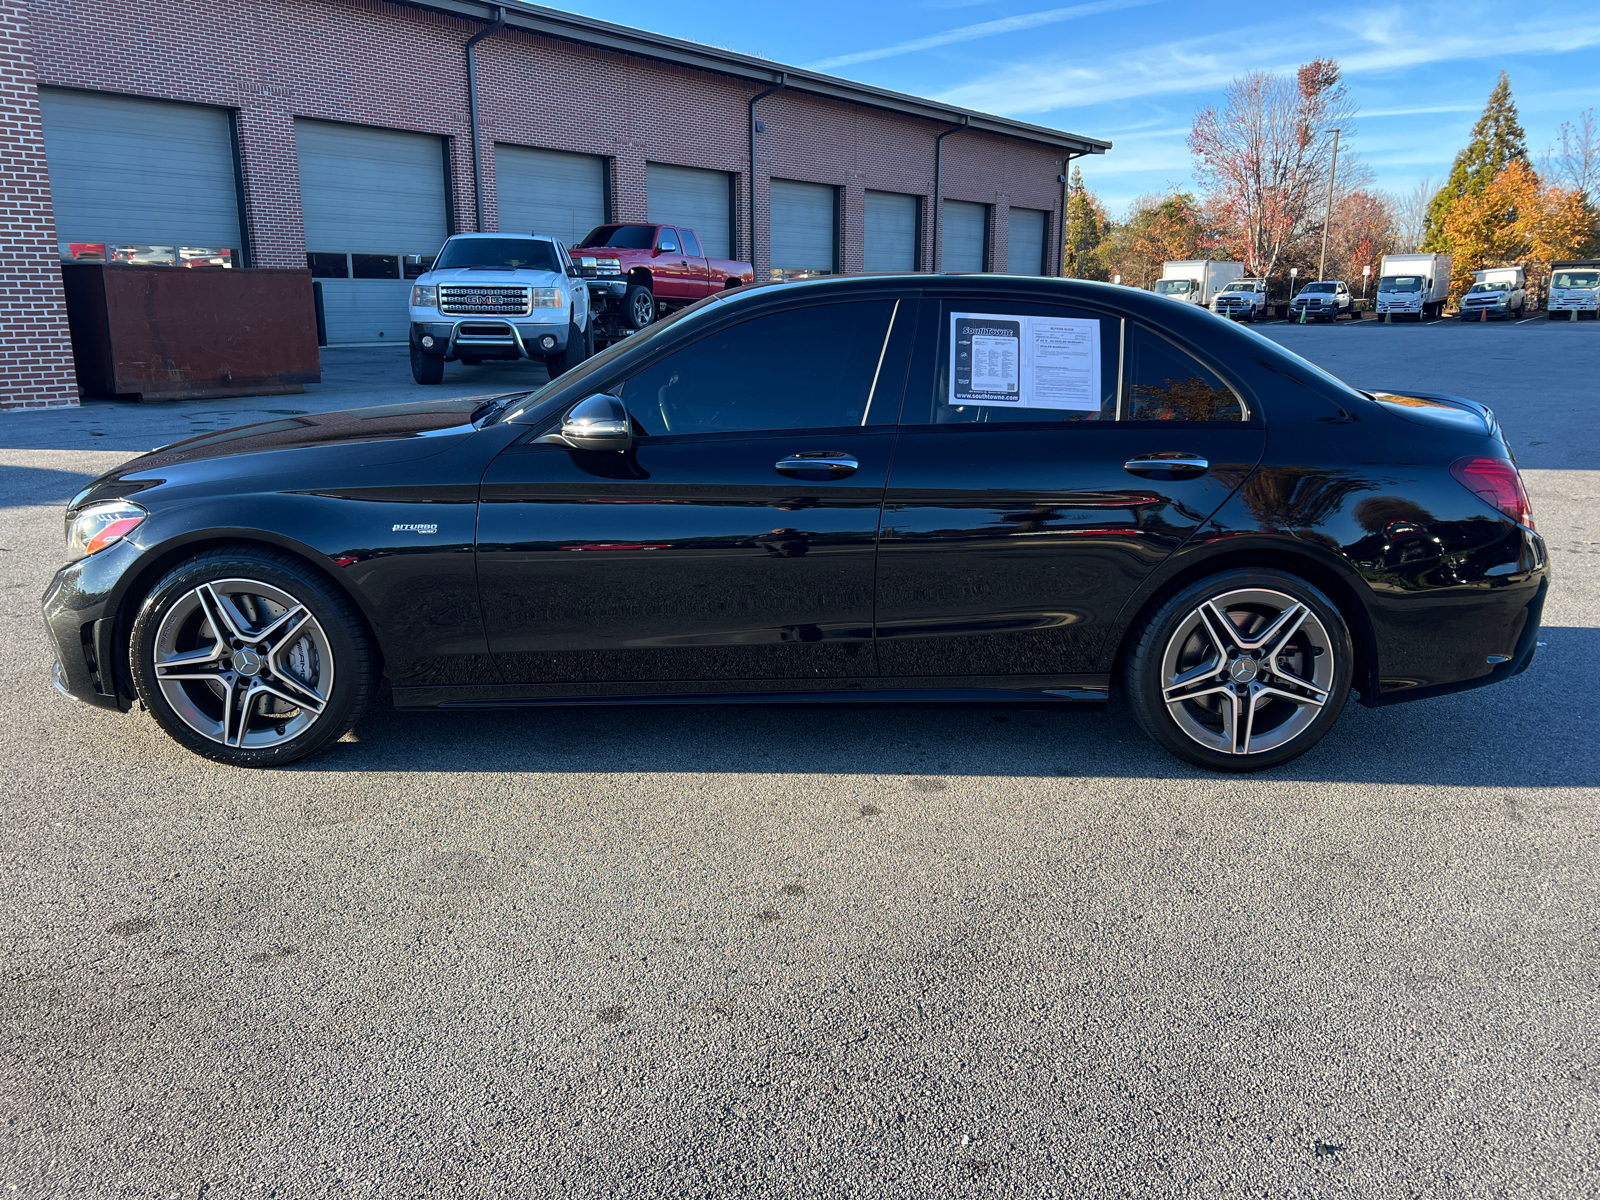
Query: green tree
point(1497, 139)
point(1087, 226)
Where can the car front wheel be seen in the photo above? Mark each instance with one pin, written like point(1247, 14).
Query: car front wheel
point(246, 656)
point(1240, 671)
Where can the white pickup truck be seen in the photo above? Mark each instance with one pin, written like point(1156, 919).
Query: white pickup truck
point(1243, 299)
point(1322, 300)
point(1413, 285)
point(1497, 294)
point(1575, 288)
point(499, 295)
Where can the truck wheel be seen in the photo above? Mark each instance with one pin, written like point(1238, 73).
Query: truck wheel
point(639, 306)
point(426, 368)
point(575, 353)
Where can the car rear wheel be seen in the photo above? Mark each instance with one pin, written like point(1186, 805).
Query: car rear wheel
point(1241, 671)
point(245, 656)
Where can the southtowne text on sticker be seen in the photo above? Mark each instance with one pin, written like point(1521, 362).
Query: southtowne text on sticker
point(1025, 362)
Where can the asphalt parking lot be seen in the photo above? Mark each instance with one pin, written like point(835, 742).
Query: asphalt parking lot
point(901, 951)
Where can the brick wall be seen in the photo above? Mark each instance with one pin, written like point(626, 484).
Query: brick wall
point(370, 62)
point(35, 350)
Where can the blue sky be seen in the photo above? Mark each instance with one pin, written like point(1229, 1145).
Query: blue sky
point(1135, 71)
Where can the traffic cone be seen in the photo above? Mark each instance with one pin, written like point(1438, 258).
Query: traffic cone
point(1483, 315)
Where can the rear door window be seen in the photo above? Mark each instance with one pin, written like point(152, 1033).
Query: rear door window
point(691, 244)
point(1166, 383)
point(1000, 362)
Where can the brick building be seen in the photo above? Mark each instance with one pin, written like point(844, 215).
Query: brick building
point(337, 133)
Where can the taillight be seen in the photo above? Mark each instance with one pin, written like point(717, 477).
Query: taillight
point(1496, 480)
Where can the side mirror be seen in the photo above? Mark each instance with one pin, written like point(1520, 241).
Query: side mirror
point(599, 423)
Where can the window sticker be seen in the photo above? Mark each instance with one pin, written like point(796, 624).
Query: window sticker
point(1025, 362)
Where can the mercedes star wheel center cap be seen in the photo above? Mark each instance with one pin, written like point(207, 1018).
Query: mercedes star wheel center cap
point(1243, 670)
point(246, 661)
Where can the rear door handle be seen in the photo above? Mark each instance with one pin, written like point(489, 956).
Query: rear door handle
point(817, 464)
point(1168, 464)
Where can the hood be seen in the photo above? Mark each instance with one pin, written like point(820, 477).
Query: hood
point(385, 433)
point(524, 278)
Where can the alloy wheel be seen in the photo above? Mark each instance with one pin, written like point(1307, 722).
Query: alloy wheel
point(1247, 671)
point(243, 663)
point(644, 308)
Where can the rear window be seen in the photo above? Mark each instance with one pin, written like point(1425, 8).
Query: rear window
point(622, 237)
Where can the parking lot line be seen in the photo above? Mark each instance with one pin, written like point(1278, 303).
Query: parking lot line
point(1525, 320)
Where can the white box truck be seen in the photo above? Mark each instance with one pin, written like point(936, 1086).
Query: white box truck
point(1496, 294)
point(1575, 288)
point(1196, 280)
point(1413, 285)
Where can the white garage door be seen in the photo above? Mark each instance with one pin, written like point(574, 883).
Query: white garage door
point(966, 236)
point(1025, 242)
point(140, 180)
point(692, 199)
point(891, 232)
point(549, 192)
point(371, 198)
point(805, 222)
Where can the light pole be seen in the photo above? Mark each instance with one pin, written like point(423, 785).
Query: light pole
point(1327, 219)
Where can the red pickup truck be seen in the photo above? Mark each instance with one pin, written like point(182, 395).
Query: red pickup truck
point(637, 273)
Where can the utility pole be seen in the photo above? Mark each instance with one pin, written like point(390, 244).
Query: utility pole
point(1327, 219)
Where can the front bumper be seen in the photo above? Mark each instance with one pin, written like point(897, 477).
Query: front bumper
point(490, 336)
point(83, 628)
point(613, 285)
point(1574, 304)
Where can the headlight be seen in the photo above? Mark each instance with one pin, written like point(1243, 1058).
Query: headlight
point(424, 295)
point(101, 525)
point(547, 298)
point(612, 266)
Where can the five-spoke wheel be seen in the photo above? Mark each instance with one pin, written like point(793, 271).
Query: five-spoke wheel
point(1240, 671)
point(247, 657)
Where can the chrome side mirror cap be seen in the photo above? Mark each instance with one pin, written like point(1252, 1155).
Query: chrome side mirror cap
point(600, 422)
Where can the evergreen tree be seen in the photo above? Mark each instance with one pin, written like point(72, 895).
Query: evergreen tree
point(1497, 139)
point(1087, 225)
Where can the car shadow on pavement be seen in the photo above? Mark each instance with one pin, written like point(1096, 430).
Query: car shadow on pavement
point(1523, 733)
point(21, 486)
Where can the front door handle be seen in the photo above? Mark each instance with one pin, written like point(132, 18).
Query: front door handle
point(817, 464)
point(1168, 464)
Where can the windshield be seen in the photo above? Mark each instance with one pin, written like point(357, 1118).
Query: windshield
point(498, 254)
point(1240, 287)
point(1174, 287)
point(1317, 288)
point(1400, 283)
point(1489, 287)
point(1576, 279)
point(623, 237)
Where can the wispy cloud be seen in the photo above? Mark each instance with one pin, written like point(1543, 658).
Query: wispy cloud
point(983, 29)
point(1206, 63)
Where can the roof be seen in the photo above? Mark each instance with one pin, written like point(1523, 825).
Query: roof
point(550, 22)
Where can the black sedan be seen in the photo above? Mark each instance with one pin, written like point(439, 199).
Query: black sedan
point(920, 488)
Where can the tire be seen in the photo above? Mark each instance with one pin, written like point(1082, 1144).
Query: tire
point(638, 306)
point(426, 369)
point(1298, 697)
point(190, 680)
point(576, 351)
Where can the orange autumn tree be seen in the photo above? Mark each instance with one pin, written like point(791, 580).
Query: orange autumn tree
point(1514, 219)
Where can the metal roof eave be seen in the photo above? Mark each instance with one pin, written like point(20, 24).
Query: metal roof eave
point(571, 27)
